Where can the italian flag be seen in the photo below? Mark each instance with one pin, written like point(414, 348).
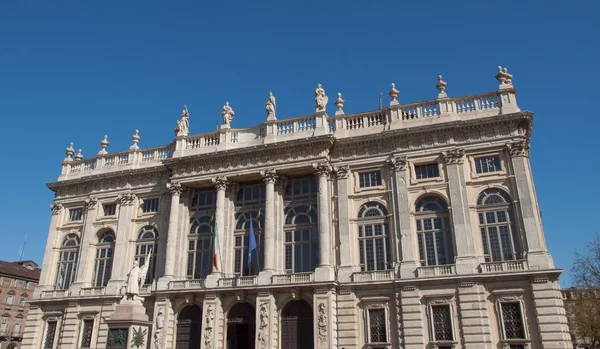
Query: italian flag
point(216, 263)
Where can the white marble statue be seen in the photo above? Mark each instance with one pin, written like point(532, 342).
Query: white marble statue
point(136, 277)
point(183, 124)
point(321, 99)
point(270, 106)
point(227, 114)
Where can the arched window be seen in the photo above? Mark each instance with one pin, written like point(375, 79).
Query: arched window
point(498, 233)
point(434, 235)
point(241, 235)
point(301, 239)
point(373, 237)
point(67, 262)
point(146, 244)
point(104, 257)
point(200, 249)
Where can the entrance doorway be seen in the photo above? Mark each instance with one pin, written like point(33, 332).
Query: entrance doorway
point(297, 326)
point(189, 326)
point(240, 327)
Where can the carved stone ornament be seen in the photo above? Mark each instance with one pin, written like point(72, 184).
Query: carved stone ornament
point(138, 339)
point(263, 326)
point(441, 86)
point(394, 95)
point(175, 188)
point(519, 148)
point(56, 208)
point(270, 107)
point(103, 145)
point(160, 322)
point(269, 176)
point(220, 182)
point(398, 163)
point(322, 322)
point(321, 99)
point(339, 103)
point(342, 172)
point(135, 139)
point(503, 77)
point(322, 169)
point(90, 203)
point(227, 113)
point(183, 124)
point(69, 151)
point(209, 318)
point(127, 198)
point(454, 156)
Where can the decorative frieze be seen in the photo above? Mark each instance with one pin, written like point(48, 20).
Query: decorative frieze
point(454, 156)
point(208, 330)
point(322, 322)
point(263, 325)
point(398, 163)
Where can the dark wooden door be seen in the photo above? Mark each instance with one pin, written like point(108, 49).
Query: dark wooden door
point(189, 326)
point(297, 326)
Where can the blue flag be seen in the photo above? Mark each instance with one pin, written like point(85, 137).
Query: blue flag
point(251, 247)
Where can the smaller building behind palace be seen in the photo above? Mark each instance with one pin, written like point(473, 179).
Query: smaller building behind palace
point(413, 226)
point(17, 284)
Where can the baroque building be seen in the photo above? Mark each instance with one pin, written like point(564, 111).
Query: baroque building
point(412, 226)
point(17, 284)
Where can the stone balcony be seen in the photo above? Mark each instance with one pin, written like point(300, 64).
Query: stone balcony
point(48, 294)
point(503, 267)
point(186, 284)
point(238, 281)
point(436, 270)
point(292, 278)
point(377, 275)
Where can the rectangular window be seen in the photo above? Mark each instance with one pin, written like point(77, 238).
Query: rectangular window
point(204, 200)
point(442, 322)
point(86, 333)
point(75, 214)
point(50, 332)
point(17, 326)
point(427, 171)
point(251, 195)
point(22, 301)
point(9, 299)
point(4, 324)
point(242, 268)
point(369, 179)
point(110, 209)
point(512, 320)
point(301, 189)
point(301, 250)
point(488, 164)
point(150, 205)
point(377, 329)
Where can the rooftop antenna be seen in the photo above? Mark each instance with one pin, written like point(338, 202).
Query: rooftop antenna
point(22, 249)
point(380, 103)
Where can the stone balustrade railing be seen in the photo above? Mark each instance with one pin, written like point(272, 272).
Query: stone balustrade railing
point(396, 116)
point(186, 284)
point(292, 278)
point(436, 270)
point(505, 266)
point(54, 294)
point(92, 291)
point(377, 275)
point(238, 281)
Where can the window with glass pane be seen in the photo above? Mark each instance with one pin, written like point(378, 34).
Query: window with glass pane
point(17, 325)
point(86, 333)
point(75, 214)
point(427, 171)
point(146, 248)
point(9, 299)
point(373, 237)
point(4, 323)
point(110, 209)
point(301, 189)
point(253, 194)
point(434, 236)
point(488, 164)
point(377, 329)
point(150, 205)
point(241, 235)
point(104, 256)
point(203, 200)
point(512, 319)
point(301, 239)
point(200, 247)
point(50, 333)
point(67, 262)
point(369, 179)
point(498, 234)
point(21, 301)
point(442, 322)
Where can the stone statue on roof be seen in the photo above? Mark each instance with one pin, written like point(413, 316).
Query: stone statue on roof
point(183, 124)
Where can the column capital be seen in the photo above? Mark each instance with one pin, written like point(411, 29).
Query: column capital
point(126, 198)
point(453, 156)
point(322, 169)
point(398, 163)
point(220, 182)
point(56, 208)
point(174, 188)
point(342, 171)
point(518, 148)
point(90, 203)
point(269, 176)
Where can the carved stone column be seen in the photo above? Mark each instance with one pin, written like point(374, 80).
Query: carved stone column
point(84, 272)
point(466, 260)
point(175, 189)
point(49, 262)
point(537, 252)
point(266, 321)
point(220, 184)
point(324, 271)
point(211, 322)
point(346, 248)
point(270, 177)
point(404, 236)
point(324, 316)
point(121, 263)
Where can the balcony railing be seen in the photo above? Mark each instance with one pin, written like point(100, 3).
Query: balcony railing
point(238, 281)
point(54, 293)
point(292, 278)
point(186, 284)
point(436, 270)
point(505, 266)
point(377, 275)
point(92, 291)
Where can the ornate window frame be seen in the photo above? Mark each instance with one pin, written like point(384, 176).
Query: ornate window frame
point(503, 164)
point(291, 229)
point(421, 217)
point(427, 161)
point(88, 316)
point(514, 233)
point(104, 216)
point(376, 303)
point(356, 175)
point(53, 316)
point(206, 219)
point(450, 302)
point(511, 296)
point(70, 264)
point(108, 246)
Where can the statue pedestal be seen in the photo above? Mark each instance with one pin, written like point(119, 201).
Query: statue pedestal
point(128, 326)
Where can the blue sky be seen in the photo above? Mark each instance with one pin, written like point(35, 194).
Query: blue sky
point(72, 71)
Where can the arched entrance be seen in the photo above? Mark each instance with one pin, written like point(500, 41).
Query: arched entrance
point(297, 326)
point(240, 327)
point(189, 326)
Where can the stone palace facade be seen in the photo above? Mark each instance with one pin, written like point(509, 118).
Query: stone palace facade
point(412, 226)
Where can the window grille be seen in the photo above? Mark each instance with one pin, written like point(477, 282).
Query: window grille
point(50, 332)
point(86, 333)
point(512, 319)
point(377, 327)
point(442, 322)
